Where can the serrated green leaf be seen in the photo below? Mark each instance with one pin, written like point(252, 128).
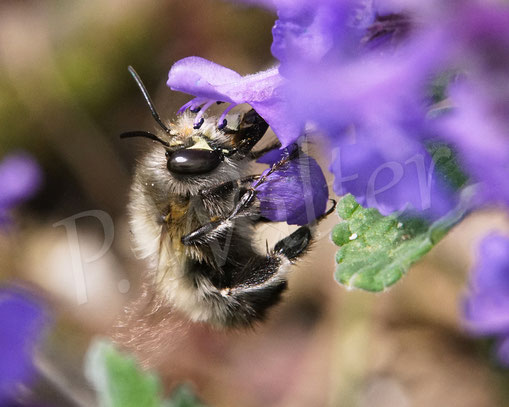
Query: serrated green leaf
point(118, 380)
point(376, 250)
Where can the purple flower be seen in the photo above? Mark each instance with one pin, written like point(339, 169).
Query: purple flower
point(378, 100)
point(303, 30)
point(22, 320)
point(341, 81)
point(486, 307)
point(296, 193)
point(20, 178)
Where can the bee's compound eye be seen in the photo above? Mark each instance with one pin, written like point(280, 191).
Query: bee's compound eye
point(193, 161)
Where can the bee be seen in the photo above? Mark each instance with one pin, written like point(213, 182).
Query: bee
point(193, 208)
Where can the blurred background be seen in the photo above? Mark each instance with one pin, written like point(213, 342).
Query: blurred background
point(66, 95)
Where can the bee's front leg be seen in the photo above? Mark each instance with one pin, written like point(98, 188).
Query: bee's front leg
point(226, 187)
point(215, 228)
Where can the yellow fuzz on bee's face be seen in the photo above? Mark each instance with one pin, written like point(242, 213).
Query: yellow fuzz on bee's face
point(201, 144)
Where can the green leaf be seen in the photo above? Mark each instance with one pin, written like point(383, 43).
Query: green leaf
point(376, 250)
point(447, 165)
point(118, 380)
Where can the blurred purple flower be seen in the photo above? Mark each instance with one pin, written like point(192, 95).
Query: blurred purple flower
point(306, 32)
point(309, 30)
point(20, 178)
point(486, 307)
point(297, 193)
point(478, 129)
point(391, 179)
point(478, 125)
point(22, 320)
point(379, 98)
point(348, 70)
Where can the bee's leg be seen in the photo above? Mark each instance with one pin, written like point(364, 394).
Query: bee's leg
point(295, 244)
point(262, 280)
point(211, 230)
point(226, 187)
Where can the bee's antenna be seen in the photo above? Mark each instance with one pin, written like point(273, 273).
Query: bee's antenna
point(147, 98)
point(145, 134)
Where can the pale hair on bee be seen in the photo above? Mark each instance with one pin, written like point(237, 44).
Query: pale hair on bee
point(193, 211)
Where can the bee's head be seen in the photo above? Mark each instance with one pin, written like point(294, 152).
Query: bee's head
point(185, 160)
point(190, 151)
point(193, 152)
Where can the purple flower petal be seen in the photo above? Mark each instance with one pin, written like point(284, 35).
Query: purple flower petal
point(22, 319)
point(486, 313)
point(478, 42)
point(386, 171)
point(296, 193)
point(486, 307)
point(492, 271)
point(200, 77)
point(478, 129)
point(307, 32)
point(20, 177)
point(387, 32)
point(210, 81)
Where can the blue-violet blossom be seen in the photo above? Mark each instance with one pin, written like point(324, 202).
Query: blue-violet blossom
point(369, 101)
point(22, 320)
point(297, 193)
point(486, 307)
point(20, 178)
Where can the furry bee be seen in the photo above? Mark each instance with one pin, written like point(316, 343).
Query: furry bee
point(192, 214)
